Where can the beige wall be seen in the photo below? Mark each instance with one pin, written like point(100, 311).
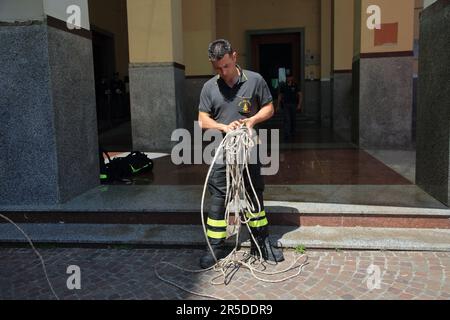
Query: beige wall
point(199, 29)
point(343, 34)
point(357, 30)
point(177, 31)
point(114, 20)
point(25, 10)
point(419, 6)
point(155, 31)
point(325, 69)
point(401, 11)
point(235, 17)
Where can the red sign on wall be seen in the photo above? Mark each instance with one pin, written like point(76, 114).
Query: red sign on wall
point(387, 35)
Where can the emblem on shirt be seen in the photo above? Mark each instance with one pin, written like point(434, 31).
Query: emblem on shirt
point(245, 106)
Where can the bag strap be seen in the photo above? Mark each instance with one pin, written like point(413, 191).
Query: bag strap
point(104, 152)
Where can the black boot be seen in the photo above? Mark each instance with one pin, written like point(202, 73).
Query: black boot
point(220, 251)
point(269, 252)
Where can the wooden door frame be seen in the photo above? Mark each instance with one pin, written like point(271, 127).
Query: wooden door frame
point(301, 31)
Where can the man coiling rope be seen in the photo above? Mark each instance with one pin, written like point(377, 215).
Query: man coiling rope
point(236, 148)
point(240, 199)
point(227, 101)
point(234, 102)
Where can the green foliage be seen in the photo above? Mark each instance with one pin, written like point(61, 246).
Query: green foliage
point(300, 249)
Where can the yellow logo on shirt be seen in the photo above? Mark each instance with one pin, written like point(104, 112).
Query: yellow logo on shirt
point(245, 106)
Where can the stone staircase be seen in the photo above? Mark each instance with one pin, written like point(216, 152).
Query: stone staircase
point(156, 215)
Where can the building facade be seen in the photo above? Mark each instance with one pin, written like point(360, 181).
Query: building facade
point(357, 62)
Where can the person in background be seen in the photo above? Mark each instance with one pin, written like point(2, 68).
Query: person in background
point(290, 101)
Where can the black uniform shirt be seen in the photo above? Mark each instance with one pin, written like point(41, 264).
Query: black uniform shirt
point(244, 100)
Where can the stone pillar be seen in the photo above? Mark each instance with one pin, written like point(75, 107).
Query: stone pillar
point(325, 77)
point(433, 113)
point(342, 67)
point(49, 143)
point(156, 72)
point(199, 29)
point(383, 73)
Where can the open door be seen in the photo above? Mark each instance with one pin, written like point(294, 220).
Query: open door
point(270, 52)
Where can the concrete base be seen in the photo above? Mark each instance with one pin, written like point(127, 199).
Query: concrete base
point(300, 199)
point(311, 100)
point(325, 103)
point(414, 113)
point(433, 113)
point(157, 96)
point(385, 89)
point(49, 144)
point(342, 104)
point(193, 89)
point(188, 235)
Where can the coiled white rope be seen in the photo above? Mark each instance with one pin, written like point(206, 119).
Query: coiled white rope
point(237, 146)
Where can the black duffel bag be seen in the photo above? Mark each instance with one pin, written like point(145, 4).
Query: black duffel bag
point(124, 167)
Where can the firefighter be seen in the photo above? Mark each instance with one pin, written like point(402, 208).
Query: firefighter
point(233, 98)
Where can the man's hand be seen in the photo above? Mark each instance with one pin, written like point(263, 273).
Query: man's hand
point(232, 126)
point(249, 122)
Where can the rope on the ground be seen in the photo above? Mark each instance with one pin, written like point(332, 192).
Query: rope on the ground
point(35, 250)
point(236, 146)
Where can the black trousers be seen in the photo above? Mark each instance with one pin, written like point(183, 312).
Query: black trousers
point(290, 114)
point(217, 188)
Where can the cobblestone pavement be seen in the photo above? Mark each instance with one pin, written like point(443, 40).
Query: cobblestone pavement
point(129, 274)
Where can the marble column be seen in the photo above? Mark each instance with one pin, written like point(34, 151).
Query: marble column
point(383, 76)
point(433, 110)
point(342, 103)
point(157, 73)
point(385, 100)
point(49, 143)
point(342, 53)
point(157, 96)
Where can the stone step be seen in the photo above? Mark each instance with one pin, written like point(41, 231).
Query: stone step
point(320, 215)
point(285, 206)
point(190, 235)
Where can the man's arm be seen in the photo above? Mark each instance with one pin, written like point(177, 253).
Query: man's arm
point(264, 114)
point(206, 122)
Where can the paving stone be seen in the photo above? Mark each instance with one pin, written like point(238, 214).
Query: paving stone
point(129, 275)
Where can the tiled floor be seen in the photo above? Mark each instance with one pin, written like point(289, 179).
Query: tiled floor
point(316, 167)
point(130, 274)
point(297, 167)
point(300, 164)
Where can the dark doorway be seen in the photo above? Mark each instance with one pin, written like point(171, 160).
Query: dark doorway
point(272, 57)
point(104, 53)
point(104, 68)
point(270, 52)
point(113, 105)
